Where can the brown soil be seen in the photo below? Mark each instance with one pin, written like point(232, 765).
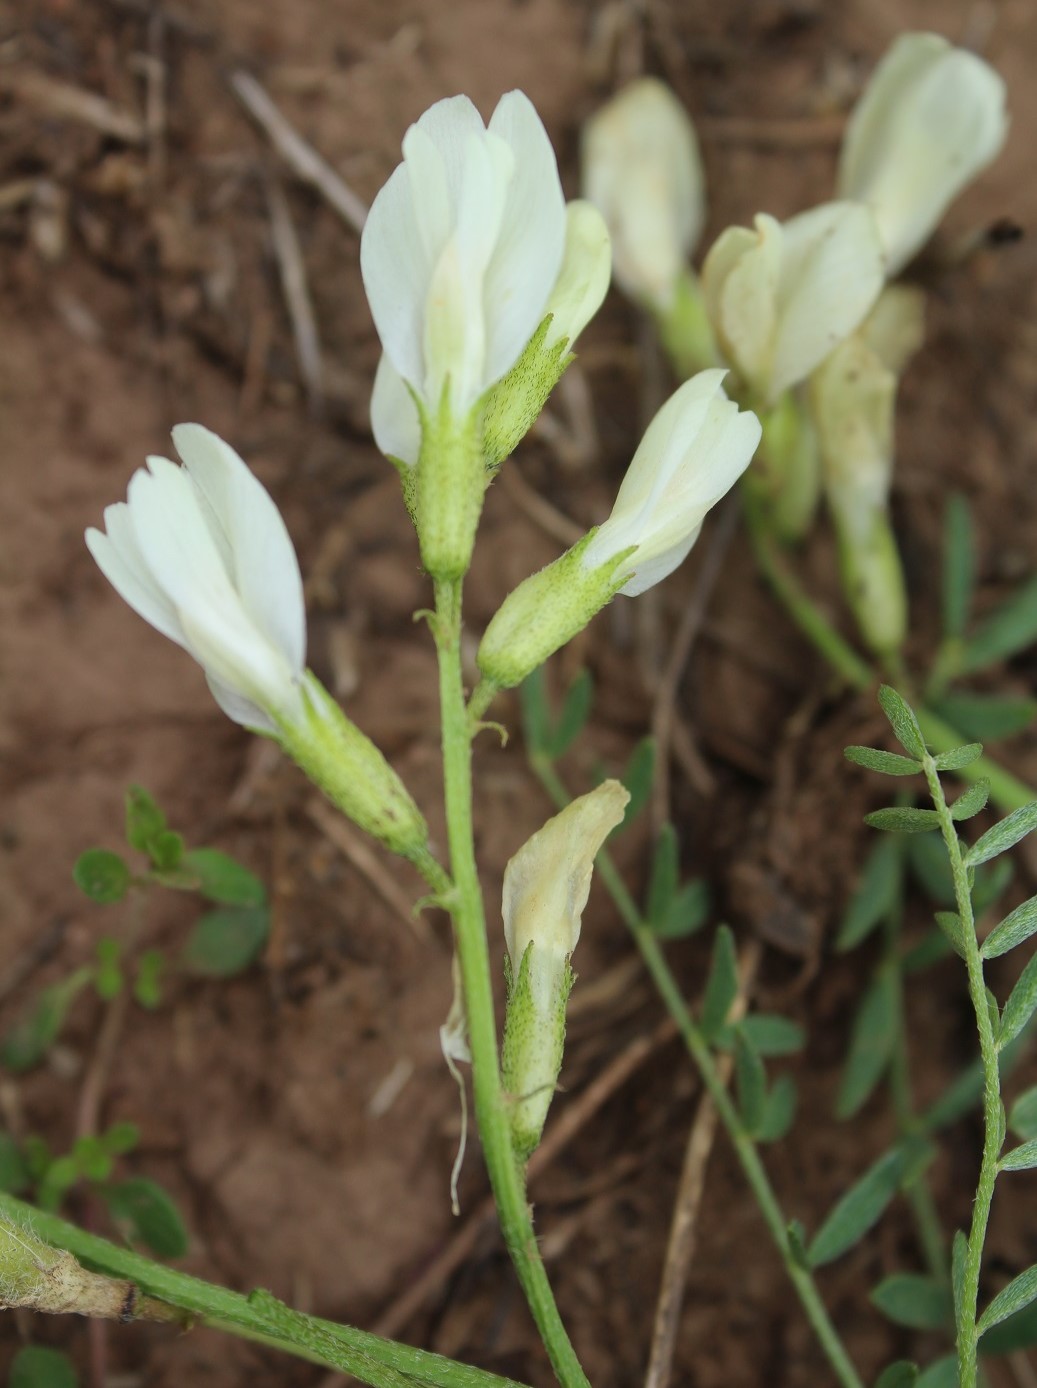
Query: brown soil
point(137, 288)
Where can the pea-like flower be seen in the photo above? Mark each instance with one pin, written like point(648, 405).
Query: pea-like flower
point(202, 553)
point(546, 885)
point(462, 246)
point(642, 168)
point(692, 454)
point(515, 401)
point(781, 297)
point(931, 118)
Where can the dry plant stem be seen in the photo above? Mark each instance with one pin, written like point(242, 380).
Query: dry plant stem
point(745, 1148)
point(259, 1316)
point(303, 159)
point(967, 1335)
point(466, 907)
point(680, 1248)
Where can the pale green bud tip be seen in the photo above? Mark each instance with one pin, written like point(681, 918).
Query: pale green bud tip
point(931, 118)
point(781, 296)
point(641, 167)
point(693, 452)
point(545, 612)
point(352, 772)
point(788, 473)
point(201, 552)
point(546, 886)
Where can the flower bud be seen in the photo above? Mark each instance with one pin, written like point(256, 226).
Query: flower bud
point(693, 452)
point(931, 118)
point(780, 298)
point(546, 886)
point(641, 167)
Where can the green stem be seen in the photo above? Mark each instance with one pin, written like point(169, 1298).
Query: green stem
point(1006, 790)
point(466, 904)
point(383, 1363)
point(967, 1335)
point(745, 1147)
point(838, 652)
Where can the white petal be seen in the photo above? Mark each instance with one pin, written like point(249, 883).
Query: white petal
point(265, 569)
point(118, 556)
point(528, 254)
point(395, 421)
point(450, 124)
point(172, 531)
point(240, 709)
point(831, 274)
point(641, 166)
point(672, 432)
point(652, 570)
point(742, 276)
point(397, 271)
point(930, 119)
point(583, 280)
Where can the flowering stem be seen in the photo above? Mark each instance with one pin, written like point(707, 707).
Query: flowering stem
point(745, 1148)
point(466, 906)
point(993, 1112)
point(258, 1316)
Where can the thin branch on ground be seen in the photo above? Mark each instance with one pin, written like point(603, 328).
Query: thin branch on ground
point(302, 158)
point(297, 298)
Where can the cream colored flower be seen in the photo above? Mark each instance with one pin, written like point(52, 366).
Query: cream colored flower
point(782, 296)
point(931, 118)
point(641, 167)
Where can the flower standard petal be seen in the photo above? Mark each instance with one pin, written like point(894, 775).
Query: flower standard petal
point(831, 274)
point(529, 249)
point(929, 120)
point(265, 570)
point(119, 558)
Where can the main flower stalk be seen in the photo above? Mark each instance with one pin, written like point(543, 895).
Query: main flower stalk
point(466, 908)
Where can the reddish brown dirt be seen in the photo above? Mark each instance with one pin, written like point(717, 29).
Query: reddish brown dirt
point(150, 295)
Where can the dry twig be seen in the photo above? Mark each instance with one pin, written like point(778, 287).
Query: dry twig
point(65, 101)
point(301, 157)
point(681, 1246)
point(366, 862)
point(296, 295)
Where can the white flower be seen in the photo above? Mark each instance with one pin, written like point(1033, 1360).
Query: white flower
point(780, 298)
point(201, 552)
point(693, 452)
point(462, 246)
point(575, 298)
point(929, 120)
point(641, 167)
